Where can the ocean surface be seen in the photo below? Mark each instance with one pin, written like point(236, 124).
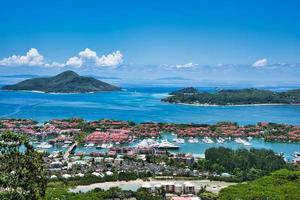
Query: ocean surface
point(139, 104)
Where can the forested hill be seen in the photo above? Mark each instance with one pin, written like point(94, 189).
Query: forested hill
point(233, 97)
point(66, 82)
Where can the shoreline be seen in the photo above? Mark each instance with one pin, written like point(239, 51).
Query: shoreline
point(236, 105)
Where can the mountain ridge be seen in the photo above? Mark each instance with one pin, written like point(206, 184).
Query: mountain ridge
point(65, 82)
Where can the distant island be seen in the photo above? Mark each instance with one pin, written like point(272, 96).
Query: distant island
point(250, 96)
point(65, 82)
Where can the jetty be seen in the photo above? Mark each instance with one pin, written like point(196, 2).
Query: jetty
point(69, 150)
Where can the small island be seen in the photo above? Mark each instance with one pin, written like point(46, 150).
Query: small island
point(65, 82)
point(249, 96)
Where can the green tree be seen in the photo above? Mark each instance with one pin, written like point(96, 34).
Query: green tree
point(208, 196)
point(22, 170)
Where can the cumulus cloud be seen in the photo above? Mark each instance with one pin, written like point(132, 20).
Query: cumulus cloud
point(187, 65)
point(89, 57)
point(32, 58)
point(260, 63)
point(85, 58)
point(74, 61)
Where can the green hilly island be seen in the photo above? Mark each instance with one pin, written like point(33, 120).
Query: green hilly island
point(65, 82)
point(191, 95)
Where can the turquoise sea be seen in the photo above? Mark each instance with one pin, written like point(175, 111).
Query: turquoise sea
point(135, 104)
point(143, 104)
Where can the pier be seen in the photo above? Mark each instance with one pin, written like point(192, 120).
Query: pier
point(70, 149)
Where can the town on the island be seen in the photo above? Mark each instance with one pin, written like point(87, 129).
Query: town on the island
point(147, 155)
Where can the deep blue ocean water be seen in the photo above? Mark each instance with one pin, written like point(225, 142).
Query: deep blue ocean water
point(135, 104)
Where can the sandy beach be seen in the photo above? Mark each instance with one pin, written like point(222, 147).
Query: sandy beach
point(258, 104)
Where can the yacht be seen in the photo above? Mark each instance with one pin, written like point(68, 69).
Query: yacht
point(191, 140)
point(106, 146)
point(207, 140)
point(179, 140)
point(220, 140)
point(296, 154)
point(165, 144)
point(241, 141)
point(246, 143)
point(89, 145)
point(238, 140)
point(44, 145)
point(148, 143)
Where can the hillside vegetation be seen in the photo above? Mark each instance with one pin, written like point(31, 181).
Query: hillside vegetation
point(66, 82)
point(233, 97)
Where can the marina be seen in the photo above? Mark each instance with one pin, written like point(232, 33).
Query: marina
point(198, 149)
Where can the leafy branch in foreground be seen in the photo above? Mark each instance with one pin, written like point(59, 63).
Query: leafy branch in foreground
point(22, 170)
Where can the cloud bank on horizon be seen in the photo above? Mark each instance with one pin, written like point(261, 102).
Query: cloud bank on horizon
point(85, 58)
point(88, 62)
point(89, 58)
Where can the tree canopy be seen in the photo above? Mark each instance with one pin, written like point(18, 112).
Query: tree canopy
point(243, 164)
point(280, 185)
point(22, 170)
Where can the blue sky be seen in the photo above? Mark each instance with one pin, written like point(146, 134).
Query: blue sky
point(177, 35)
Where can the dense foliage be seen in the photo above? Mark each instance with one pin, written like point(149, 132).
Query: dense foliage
point(121, 176)
point(234, 97)
point(22, 171)
point(242, 164)
point(66, 82)
point(281, 185)
point(60, 191)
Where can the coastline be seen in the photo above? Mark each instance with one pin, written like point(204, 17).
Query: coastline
point(43, 92)
point(234, 105)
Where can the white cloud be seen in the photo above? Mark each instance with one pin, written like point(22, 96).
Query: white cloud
point(74, 61)
point(32, 58)
point(112, 59)
point(187, 65)
point(89, 57)
point(85, 58)
point(260, 63)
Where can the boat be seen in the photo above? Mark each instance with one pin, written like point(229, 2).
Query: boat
point(44, 145)
point(165, 144)
point(65, 146)
point(241, 141)
point(238, 140)
point(207, 140)
point(191, 140)
point(148, 143)
point(246, 143)
point(220, 140)
point(296, 154)
point(89, 145)
point(179, 140)
point(196, 140)
point(106, 146)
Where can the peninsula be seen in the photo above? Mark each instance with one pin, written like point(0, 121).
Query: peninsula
point(65, 82)
point(249, 96)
